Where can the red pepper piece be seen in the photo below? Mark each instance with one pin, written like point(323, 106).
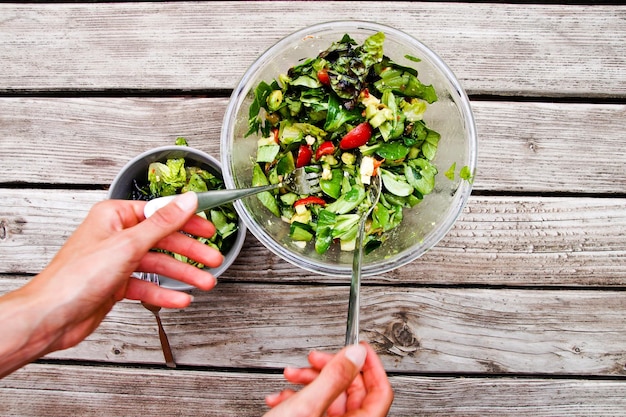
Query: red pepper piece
point(322, 76)
point(358, 136)
point(310, 200)
point(377, 163)
point(326, 148)
point(305, 153)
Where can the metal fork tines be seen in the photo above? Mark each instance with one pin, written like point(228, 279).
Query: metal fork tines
point(305, 180)
point(352, 328)
point(147, 276)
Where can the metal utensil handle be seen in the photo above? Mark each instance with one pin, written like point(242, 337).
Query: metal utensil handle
point(165, 344)
point(215, 198)
point(352, 330)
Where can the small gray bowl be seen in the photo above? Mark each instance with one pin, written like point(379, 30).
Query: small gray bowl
point(137, 168)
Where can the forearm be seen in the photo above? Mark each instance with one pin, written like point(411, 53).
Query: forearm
point(26, 335)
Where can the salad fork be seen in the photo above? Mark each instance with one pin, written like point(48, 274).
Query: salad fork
point(165, 343)
point(352, 330)
point(300, 181)
point(147, 276)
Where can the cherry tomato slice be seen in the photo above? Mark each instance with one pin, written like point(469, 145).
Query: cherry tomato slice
point(304, 156)
point(358, 136)
point(326, 148)
point(322, 76)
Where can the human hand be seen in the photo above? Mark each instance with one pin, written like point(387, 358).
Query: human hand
point(92, 271)
point(352, 383)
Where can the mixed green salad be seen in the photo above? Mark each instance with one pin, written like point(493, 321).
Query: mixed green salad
point(176, 176)
point(350, 113)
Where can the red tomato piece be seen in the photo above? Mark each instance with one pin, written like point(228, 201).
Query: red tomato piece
point(377, 163)
point(358, 136)
point(326, 148)
point(305, 153)
point(310, 200)
point(322, 76)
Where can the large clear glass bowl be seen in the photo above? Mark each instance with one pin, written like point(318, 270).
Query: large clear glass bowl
point(423, 225)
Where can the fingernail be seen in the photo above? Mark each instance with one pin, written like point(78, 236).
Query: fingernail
point(289, 370)
point(356, 354)
point(187, 201)
point(272, 397)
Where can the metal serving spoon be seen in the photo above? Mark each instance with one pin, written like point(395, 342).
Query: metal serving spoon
point(352, 330)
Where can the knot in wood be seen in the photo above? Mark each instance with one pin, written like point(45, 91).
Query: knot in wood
point(98, 162)
point(3, 229)
point(403, 336)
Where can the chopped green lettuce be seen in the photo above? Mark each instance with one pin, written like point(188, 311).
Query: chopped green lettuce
point(311, 108)
point(348, 201)
point(176, 176)
point(166, 178)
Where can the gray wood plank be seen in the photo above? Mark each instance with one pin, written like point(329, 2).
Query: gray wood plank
point(427, 330)
point(551, 147)
point(46, 390)
point(504, 49)
point(495, 241)
point(88, 140)
point(523, 147)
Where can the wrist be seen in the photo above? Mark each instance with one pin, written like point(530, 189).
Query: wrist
point(26, 333)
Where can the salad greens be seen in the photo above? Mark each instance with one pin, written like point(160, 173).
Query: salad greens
point(175, 176)
point(350, 113)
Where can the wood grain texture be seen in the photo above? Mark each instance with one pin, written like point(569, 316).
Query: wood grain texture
point(522, 147)
point(47, 390)
point(501, 49)
point(550, 147)
point(450, 331)
point(495, 241)
point(518, 311)
point(88, 140)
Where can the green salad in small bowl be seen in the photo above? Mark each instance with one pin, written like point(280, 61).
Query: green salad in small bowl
point(350, 101)
point(176, 169)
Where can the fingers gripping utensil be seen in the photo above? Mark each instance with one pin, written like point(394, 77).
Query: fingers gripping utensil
point(165, 343)
point(352, 330)
point(300, 181)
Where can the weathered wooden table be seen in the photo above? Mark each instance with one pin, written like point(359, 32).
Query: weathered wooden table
point(519, 311)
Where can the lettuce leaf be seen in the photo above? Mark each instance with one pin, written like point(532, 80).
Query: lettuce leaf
point(166, 179)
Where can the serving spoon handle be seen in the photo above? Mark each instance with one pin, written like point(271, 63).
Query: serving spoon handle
point(352, 328)
point(209, 199)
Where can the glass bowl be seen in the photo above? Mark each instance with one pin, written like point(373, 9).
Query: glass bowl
point(137, 169)
point(423, 225)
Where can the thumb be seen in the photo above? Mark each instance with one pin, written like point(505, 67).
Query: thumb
point(167, 220)
point(334, 379)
